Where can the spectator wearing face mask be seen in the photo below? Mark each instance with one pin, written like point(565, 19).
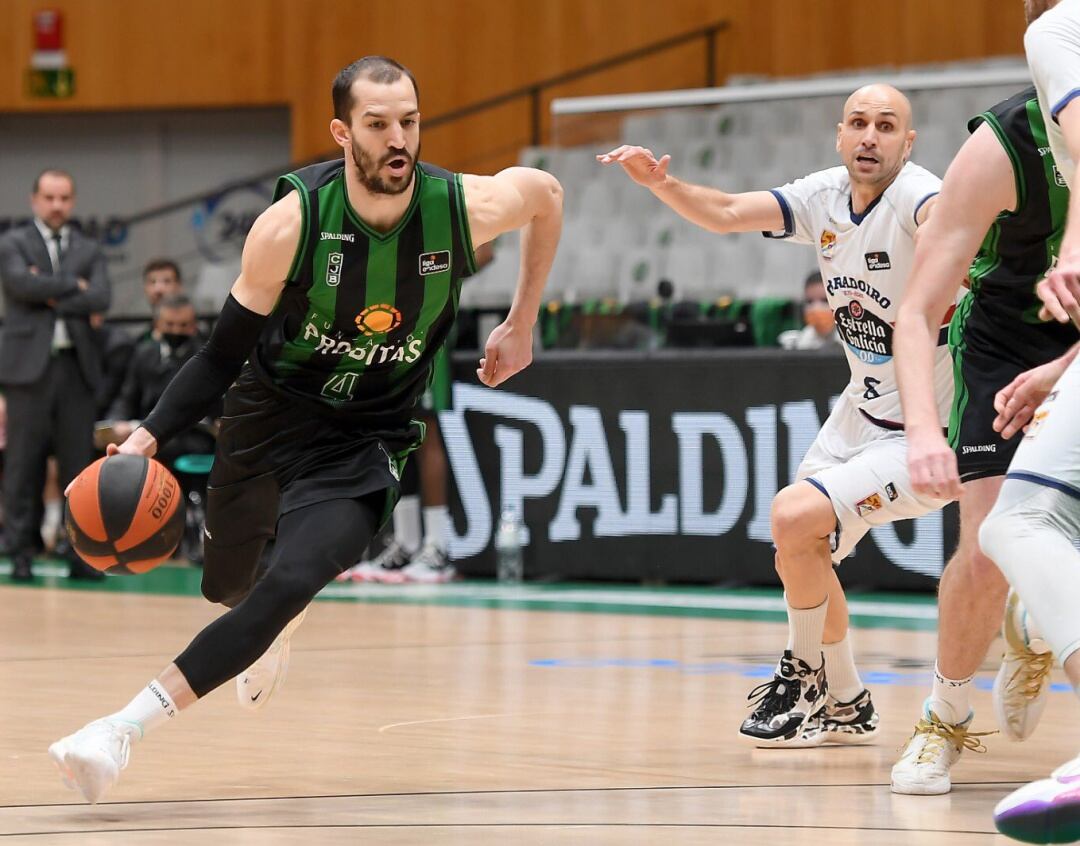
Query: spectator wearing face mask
point(161, 279)
point(173, 339)
point(820, 329)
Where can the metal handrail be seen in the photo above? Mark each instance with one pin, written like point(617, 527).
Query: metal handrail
point(534, 91)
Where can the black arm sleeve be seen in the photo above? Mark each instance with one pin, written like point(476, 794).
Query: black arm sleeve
point(206, 377)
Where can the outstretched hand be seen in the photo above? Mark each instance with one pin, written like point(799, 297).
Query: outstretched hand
point(508, 351)
point(639, 163)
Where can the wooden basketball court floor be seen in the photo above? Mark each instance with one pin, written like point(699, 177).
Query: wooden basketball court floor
point(473, 715)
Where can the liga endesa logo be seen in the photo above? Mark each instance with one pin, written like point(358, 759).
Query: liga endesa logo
point(378, 319)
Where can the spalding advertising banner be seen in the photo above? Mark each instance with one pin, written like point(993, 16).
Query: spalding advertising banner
point(655, 467)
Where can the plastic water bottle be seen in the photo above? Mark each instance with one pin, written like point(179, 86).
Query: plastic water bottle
point(509, 568)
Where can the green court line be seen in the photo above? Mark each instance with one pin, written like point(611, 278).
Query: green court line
point(909, 611)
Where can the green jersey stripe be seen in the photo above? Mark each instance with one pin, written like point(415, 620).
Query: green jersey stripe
point(957, 345)
point(1059, 198)
point(466, 230)
point(1014, 157)
point(305, 216)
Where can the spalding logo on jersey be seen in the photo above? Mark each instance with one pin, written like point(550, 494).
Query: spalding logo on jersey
point(866, 334)
point(828, 244)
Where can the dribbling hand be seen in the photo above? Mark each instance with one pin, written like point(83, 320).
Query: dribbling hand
point(508, 351)
point(639, 163)
point(139, 442)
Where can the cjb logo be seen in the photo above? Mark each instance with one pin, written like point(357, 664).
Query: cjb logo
point(378, 319)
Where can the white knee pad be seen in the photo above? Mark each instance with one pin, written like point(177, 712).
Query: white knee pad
point(1031, 535)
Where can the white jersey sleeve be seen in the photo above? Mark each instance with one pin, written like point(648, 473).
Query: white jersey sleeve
point(1052, 44)
point(804, 204)
point(911, 194)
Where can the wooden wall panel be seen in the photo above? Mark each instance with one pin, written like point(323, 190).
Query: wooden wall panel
point(132, 54)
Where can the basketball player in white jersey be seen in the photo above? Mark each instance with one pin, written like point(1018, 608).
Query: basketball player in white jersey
point(1031, 530)
point(861, 219)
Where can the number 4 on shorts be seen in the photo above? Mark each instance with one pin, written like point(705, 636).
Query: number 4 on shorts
point(340, 386)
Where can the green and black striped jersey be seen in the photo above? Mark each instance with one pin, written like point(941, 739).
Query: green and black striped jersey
point(1022, 245)
point(363, 313)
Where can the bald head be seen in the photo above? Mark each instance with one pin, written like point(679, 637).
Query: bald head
point(874, 138)
point(880, 99)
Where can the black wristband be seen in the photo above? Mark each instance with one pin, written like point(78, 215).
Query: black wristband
point(208, 374)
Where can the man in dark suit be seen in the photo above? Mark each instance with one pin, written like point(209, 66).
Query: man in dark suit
point(53, 279)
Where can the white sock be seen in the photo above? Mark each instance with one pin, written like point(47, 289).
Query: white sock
point(407, 523)
point(950, 699)
point(806, 627)
point(149, 709)
point(436, 523)
point(840, 670)
point(53, 515)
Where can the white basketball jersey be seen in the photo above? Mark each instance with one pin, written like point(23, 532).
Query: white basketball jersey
point(865, 260)
point(1053, 52)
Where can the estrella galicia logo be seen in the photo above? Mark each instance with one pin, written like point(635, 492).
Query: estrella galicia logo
point(867, 336)
point(222, 221)
point(438, 262)
point(878, 261)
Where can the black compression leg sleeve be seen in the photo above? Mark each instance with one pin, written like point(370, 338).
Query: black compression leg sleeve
point(314, 544)
point(410, 477)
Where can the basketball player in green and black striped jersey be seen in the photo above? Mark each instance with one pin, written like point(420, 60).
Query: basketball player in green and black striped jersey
point(348, 288)
point(999, 220)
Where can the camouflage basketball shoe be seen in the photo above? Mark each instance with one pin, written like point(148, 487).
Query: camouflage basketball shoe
point(850, 723)
point(790, 707)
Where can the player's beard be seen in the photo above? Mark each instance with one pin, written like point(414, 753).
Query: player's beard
point(367, 170)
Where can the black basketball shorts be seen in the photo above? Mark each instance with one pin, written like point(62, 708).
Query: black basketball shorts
point(985, 360)
point(288, 454)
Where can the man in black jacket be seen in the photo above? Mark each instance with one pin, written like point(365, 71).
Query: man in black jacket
point(53, 279)
point(161, 279)
point(156, 359)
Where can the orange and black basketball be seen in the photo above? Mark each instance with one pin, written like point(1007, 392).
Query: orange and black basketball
point(125, 514)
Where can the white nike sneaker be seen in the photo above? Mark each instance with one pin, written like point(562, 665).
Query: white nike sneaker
point(429, 566)
point(1023, 681)
point(91, 758)
point(923, 768)
point(258, 683)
